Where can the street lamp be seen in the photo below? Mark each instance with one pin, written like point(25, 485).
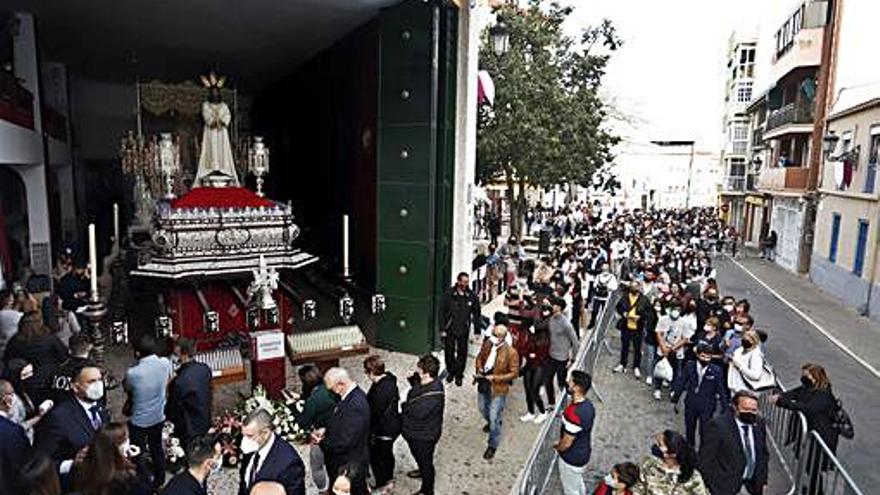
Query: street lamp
point(829, 143)
point(499, 35)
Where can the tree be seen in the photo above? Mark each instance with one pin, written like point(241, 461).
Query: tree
point(546, 126)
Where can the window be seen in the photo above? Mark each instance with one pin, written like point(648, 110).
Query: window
point(744, 92)
point(873, 159)
point(861, 245)
point(835, 237)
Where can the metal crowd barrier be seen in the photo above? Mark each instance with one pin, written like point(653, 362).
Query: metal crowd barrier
point(811, 467)
point(536, 473)
point(482, 281)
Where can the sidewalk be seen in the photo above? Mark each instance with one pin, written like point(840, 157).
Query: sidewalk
point(628, 419)
point(856, 333)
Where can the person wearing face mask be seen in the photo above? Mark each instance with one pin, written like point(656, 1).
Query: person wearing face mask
point(267, 457)
point(702, 384)
point(672, 337)
point(384, 399)
point(16, 450)
point(422, 419)
point(71, 424)
point(620, 481)
point(203, 460)
point(634, 311)
point(671, 468)
point(733, 453)
point(534, 357)
point(746, 368)
point(604, 284)
point(816, 401)
point(460, 311)
point(497, 365)
point(742, 323)
point(708, 306)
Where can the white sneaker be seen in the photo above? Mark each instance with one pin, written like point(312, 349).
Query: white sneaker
point(656, 395)
point(649, 381)
point(637, 373)
point(525, 418)
point(540, 418)
point(619, 368)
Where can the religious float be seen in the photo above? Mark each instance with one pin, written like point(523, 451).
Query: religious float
point(220, 256)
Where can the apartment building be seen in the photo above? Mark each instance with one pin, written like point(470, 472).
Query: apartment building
point(741, 69)
point(844, 260)
point(790, 118)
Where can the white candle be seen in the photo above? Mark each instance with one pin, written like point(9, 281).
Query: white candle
point(345, 271)
point(116, 224)
point(93, 262)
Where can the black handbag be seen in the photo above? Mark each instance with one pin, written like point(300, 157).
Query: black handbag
point(841, 422)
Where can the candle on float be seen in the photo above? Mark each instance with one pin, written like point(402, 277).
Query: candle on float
point(93, 263)
point(116, 224)
point(345, 271)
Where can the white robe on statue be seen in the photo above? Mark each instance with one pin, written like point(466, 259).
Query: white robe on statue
point(216, 153)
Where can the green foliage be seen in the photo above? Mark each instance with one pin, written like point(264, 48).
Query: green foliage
point(547, 124)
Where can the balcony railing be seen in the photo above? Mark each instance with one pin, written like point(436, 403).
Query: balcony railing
point(734, 183)
point(757, 137)
point(16, 102)
point(793, 113)
point(782, 178)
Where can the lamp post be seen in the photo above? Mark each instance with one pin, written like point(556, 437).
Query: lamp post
point(499, 36)
point(691, 143)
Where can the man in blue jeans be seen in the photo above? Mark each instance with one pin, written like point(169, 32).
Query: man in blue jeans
point(146, 384)
point(496, 367)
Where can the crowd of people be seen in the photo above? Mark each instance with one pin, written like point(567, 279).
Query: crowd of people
point(677, 333)
point(679, 338)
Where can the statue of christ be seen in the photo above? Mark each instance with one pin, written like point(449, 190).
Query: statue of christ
point(216, 156)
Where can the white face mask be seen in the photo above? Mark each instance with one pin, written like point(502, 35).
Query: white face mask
point(610, 481)
point(738, 328)
point(218, 465)
point(249, 445)
point(728, 308)
point(95, 391)
point(124, 448)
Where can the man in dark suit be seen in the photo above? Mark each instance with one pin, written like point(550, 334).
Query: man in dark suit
point(733, 452)
point(345, 440)
point(459, 312)
point(70, 425)
point(189, 395)
point(203, 458)
point(268, 457)
point(15, 449)
point(703, 384)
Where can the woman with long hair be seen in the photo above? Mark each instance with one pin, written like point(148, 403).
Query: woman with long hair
point(39, 476)
point(36, 345)
point(817, 403)
point(671, 469)
point(105, 470)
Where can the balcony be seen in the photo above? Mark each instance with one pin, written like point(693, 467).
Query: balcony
point(785, 178)
point(734, 183)
point(16, 102)
point(757, 137)
point(793, 113)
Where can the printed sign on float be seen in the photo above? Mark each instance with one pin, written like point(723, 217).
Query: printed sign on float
point(268, 344)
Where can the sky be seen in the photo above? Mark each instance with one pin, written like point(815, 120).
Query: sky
point(668, 78)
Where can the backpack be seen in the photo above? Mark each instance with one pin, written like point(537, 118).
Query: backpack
point(841, 422)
